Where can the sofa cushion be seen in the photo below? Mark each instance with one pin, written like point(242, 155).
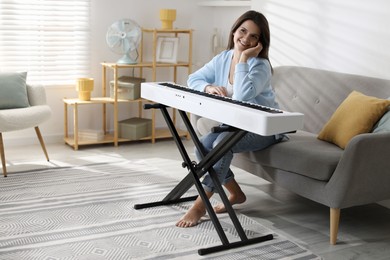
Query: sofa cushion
point(357, 114)
point(13, 91)
point(303, 154)
point(383, 124)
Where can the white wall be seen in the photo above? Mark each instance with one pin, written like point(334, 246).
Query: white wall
point(348, 36)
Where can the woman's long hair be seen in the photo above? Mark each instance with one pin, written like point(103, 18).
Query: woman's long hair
point(265, 36)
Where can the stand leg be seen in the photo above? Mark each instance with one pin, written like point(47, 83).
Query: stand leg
point(198, 170)
point(193, 174)
point(233, 138)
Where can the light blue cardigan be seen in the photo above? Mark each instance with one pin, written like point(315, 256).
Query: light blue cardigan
point(252, 80)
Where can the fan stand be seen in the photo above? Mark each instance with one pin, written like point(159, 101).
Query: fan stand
point(126, 59)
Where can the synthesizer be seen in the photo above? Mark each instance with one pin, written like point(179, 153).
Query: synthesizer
point(250, 117)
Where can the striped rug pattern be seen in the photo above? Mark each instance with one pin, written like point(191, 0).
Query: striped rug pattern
point(86, 212)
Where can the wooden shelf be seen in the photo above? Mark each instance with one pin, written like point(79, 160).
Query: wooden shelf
point(113, 65)
point(146, 65)
point(174, 30)
point(98, 100)
point(161, 133)
point(178, 64)
point(225, 3)
point(114, 68)
point(165, 133)
point(71, 141)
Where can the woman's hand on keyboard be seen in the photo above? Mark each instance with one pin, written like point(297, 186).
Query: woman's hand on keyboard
point(216, 90)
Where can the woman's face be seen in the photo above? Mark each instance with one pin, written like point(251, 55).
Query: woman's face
point(246, 36)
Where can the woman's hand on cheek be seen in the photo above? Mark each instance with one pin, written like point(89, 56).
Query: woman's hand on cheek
point(251, 52)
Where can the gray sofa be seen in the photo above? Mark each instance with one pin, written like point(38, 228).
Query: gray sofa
point(315, 169)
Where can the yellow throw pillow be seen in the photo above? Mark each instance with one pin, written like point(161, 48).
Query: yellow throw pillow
point(357, 114)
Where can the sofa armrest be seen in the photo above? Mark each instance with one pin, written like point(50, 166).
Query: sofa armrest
point(36, 95)
point(363, 173)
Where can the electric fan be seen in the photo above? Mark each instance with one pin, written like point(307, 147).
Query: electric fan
point(123, 37)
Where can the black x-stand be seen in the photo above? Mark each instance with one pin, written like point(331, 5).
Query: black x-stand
point(198, 170)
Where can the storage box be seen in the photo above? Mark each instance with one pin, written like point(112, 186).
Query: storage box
point(128, 88)
point(92, 135)
point(135, 128)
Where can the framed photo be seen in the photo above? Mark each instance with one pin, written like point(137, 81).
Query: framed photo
point(167, 48)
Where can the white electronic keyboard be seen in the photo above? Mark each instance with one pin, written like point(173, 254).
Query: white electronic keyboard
point(247, 116)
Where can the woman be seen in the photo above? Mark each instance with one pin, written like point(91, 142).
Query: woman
point(242, 72)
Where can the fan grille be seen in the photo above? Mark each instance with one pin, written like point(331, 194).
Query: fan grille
point(123, 37)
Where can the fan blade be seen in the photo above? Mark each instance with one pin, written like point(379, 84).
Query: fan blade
point(119, 26)
point(126, 46)
point(133, 33)
point(116, 28)
point(127, 25)
point(113, 41)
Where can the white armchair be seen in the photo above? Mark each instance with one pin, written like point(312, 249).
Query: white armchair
point(34, 114)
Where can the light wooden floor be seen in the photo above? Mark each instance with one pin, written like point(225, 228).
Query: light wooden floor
point(364, 231)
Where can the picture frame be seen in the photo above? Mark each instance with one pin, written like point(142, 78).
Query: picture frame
point(167, 49)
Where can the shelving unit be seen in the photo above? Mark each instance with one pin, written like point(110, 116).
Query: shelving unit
point(105, 100)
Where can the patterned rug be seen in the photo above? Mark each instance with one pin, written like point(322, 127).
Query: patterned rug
point(86, 212)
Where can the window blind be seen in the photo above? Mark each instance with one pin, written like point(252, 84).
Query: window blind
point(47, 38)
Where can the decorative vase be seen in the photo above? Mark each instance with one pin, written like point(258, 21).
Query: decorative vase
point(167, 17)
point(84, 86)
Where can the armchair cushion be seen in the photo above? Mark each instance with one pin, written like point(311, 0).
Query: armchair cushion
point(13, 91)
point(357, 114)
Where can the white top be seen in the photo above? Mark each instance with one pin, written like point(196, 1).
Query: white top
point(229, 88)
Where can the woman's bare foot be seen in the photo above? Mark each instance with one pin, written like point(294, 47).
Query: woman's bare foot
point(233, 199)
point(191, 218)
point(194, 214)
point(236, 196)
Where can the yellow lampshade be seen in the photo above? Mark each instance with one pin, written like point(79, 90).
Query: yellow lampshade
point(167, 17)
point(84, 86)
